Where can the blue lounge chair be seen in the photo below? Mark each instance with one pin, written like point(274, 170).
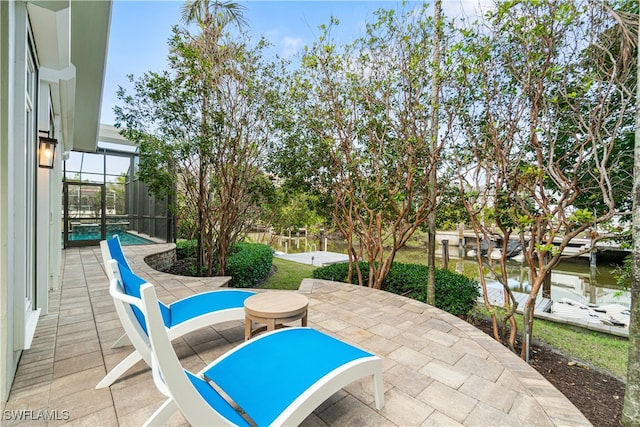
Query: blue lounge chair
point(278, 378)
point(112, 249)
point(180, 317)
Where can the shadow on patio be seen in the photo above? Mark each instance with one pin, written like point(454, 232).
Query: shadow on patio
point(438, 370)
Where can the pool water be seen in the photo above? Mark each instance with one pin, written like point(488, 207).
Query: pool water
point(125, 238)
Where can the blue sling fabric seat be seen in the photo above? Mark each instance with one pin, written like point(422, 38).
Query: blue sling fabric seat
point(278, 378)
point(297, 359)
point(115, 251)
point(186, 309)
point(180, 317)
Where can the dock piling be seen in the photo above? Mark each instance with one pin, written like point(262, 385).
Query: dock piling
point(445, 254)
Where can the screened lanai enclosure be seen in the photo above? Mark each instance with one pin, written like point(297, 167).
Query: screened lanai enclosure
point(102, 197)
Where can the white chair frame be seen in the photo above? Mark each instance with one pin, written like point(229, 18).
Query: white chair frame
point(136, 335)
point(171, 379)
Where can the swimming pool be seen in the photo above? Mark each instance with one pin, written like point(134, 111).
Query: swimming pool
point(125, 238)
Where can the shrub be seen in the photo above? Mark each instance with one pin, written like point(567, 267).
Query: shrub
point(338, 272)
point(249, 264)
point(186, 249)
point(409, 280)
point(455, 293)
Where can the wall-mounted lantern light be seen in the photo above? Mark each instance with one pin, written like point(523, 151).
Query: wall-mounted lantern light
point(46, 152)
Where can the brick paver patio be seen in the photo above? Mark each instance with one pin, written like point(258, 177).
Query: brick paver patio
point(438, 370)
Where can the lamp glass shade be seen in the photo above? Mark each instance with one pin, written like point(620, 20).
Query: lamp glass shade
point(46, 152)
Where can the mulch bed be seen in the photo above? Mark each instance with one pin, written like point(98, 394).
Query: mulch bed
point(597, 394)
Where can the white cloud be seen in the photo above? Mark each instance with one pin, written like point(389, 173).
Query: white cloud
point(290, 46)
point(469, 9)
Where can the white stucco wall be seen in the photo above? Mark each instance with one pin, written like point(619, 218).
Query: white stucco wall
point(12, 159)
point(30, 197)
point(4, 181)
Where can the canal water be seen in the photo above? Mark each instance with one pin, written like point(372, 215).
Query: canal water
point(572, 279)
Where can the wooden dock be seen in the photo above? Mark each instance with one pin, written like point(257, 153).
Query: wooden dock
point(467, 240)
point(496, 298)
point(319, 258)
point(542, 311)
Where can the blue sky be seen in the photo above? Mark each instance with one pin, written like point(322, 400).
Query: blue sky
point(140, 30)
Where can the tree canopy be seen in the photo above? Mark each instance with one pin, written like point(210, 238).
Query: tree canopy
point(542, 109)
point(202, 127)
point(356, 128)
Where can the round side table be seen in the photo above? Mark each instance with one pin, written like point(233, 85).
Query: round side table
point(273, 309)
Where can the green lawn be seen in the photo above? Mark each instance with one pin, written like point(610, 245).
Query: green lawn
point(604, 351)
point(601, 350)
point(288, 274)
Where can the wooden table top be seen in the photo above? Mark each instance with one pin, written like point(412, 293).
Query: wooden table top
point(275, 304)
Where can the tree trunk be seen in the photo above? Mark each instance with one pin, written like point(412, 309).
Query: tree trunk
point(200, 224)
point(546, 284)
point(631, 408)
point(431, 258)
point(527, 312)
point(435, 103)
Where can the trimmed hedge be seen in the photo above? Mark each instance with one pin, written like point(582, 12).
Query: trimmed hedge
point(338, 272)
point(186, 249)
point(455, 293)
point(249, 264)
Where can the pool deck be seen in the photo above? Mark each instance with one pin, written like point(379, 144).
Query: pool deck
point(438, 369)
